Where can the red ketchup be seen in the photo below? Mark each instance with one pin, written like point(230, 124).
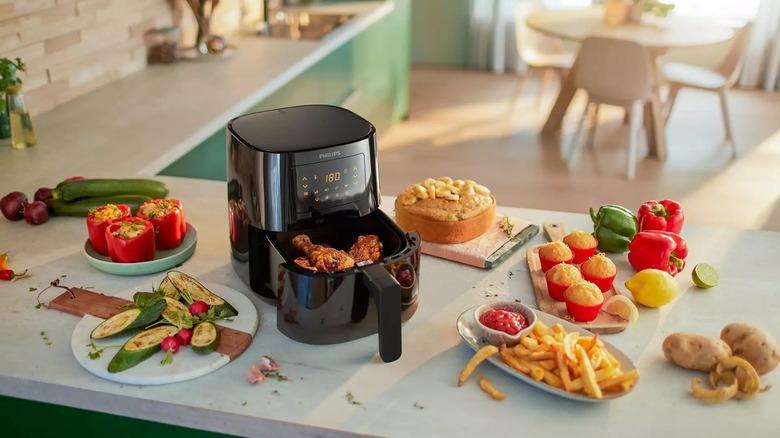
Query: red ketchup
point(504, 320)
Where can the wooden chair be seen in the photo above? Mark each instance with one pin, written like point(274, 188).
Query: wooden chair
point(613, 72)
point(719, 80)
point(540, 53)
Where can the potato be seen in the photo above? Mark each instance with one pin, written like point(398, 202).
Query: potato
point(696, 352)
point(753, 344)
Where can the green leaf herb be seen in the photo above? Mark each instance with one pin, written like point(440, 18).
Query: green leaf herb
point(351, 399)
point(32, 289)
point(46, 339)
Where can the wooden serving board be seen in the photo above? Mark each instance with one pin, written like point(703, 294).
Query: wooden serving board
point(231, 342)
point(235, 337)
point(603, 324)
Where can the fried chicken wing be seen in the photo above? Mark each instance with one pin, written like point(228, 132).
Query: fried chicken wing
point(320, 257)
point(367, 249)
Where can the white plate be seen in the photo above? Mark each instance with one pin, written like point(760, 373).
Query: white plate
point(471, 332)
point(186, 363)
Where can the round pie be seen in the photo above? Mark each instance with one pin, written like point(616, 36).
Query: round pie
point(445, 210)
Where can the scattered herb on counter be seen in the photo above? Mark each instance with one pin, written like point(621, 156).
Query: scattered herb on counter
point(277, 376)
point(243, 404)
point(39, 305)
point(417, 405)
point(32, 289)
point(275, 392)
point(63, 275)
point(46, 339)
point(351, 399)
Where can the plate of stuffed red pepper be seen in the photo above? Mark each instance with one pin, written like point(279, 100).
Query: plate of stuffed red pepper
point(153, 238)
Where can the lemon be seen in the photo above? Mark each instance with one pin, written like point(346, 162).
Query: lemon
point(620, 305)
point(652, 287)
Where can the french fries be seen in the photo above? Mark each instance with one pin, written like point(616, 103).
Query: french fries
point(483, 353)
point(491, 390)
point(572, 363)
point(569, 361)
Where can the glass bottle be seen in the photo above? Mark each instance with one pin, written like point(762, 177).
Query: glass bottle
point(22, 133)
point(5, 126)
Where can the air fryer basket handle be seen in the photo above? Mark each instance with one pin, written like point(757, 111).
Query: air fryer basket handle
point(386, 293)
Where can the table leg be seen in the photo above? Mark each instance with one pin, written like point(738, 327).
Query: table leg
point(565, 96)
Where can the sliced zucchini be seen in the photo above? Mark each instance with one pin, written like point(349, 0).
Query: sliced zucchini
point(129, 319)
point(205, 338)
point(116, 324)
point(192, 290)
point(168, 289)
point(176, 313)
point(140, 347)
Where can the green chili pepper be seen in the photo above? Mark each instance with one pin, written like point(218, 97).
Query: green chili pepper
point(614, 227)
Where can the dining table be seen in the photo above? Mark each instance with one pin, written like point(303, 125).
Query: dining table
point(657, 34)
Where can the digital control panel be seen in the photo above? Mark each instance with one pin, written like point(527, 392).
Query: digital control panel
point(329, 183)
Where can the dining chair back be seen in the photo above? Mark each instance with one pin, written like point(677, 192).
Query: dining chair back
point(539, 52)
point(731, 66)
point(614, 72)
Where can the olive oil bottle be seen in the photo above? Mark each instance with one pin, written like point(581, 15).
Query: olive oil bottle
point(22, 133)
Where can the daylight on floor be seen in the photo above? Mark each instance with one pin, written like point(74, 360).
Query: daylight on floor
point(401, 218)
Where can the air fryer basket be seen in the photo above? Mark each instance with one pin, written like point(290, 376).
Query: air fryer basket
point(327, 308)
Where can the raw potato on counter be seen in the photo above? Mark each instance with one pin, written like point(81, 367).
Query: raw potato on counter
point(733, 362)
point(753, 344)
point(695, 352)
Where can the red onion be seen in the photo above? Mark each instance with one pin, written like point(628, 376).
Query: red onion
point(43, 194)
point(36, 213)
point(12, 205)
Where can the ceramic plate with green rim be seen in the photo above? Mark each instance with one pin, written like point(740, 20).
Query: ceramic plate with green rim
point(163, 259)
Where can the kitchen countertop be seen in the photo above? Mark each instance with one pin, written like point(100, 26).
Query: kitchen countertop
point(142, 123)
point(414, 396)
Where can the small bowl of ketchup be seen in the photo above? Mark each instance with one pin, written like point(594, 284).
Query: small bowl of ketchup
point(504, 322)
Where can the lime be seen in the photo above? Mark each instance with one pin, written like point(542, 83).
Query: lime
point(705, 276)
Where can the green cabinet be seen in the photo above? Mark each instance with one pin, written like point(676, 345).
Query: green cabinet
point(368, 74)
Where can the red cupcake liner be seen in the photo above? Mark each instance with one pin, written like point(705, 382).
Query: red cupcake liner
point(604, 283)
point(583, 313)
point(556, 290)
point(582, 254)
point(548, 264)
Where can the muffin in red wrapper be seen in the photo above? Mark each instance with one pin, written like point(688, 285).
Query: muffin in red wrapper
point(559, 278)
point(583, 301)
point(583, 245)
point(599, 270)
point(554, 253)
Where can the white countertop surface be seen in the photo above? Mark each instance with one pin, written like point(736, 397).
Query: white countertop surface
point(142, 123)
point(313, 402)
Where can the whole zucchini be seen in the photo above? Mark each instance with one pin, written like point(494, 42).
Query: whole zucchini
point(205, 338)
point(140, 347)
point(81, 207)
point(128, 320)
point(88, 188)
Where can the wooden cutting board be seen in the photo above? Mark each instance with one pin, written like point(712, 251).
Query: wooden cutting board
point(603, 324)
point(487, 250)
point(235, 337)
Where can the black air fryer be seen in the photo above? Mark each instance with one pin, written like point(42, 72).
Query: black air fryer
point(313, 170)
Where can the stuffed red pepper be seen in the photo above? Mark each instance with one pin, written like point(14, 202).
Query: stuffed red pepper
point(167, 217)
point(97, 221)
point(130, 240)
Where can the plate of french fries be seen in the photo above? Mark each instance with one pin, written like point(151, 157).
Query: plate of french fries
point(555, 356)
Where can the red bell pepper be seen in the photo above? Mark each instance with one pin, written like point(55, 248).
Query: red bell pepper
point(130, 240)
point(97, 221)
point(659, 250)
point(663, 215)
point(167, 216)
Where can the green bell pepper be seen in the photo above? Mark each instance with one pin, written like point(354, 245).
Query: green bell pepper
point(614, 227)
